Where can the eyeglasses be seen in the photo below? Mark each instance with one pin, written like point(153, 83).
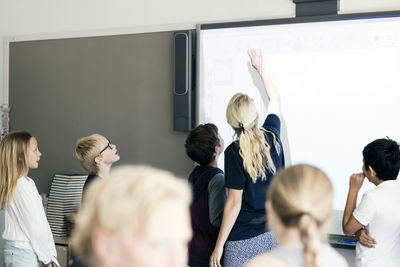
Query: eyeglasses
point(108, 146)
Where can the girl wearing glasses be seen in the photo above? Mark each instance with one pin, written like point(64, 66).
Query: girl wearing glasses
point(96, 155)
point(27, 234)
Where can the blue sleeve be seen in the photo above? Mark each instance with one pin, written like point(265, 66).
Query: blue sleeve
point(273, 123)
point(234, 171)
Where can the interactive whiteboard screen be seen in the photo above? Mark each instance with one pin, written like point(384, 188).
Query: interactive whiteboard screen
point(339, 83)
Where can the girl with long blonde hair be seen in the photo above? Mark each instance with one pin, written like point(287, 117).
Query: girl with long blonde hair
point(299, 209)
point(27, 234)
point(250, 163)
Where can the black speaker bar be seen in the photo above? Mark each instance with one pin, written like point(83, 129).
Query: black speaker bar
point(183, 82)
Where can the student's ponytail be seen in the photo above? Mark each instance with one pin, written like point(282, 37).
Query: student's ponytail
point(242, 115)
point(310, 237)
point(301, 196)
point(255, 152)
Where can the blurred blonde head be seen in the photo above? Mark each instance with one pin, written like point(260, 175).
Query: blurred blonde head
point(242, 115)
point(87, 149)
point(123, 207)
point(301, 197)
point(13, 163)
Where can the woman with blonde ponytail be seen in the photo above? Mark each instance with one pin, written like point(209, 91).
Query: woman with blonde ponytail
point(250, 163)
point(299, 209)
point(27, 235)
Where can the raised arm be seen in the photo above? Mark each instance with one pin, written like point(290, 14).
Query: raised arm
point(257, 61)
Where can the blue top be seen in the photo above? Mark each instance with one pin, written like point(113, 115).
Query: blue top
point(251, 220)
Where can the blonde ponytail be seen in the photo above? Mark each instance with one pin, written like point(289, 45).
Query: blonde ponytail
point(301, 197)
point(310, 237)
point(242, 115)
point(255, 152)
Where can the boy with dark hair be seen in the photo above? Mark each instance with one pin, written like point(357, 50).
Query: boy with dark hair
point(377, 212)
point(204, 145)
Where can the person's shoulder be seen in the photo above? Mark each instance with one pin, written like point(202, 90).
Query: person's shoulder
point(388, 185)
point(231, 152)
point(217, 178)
point(372, 193)
point(219, 174)
point(233, 146)
point(90, 178)
point(232, 155)
point(272, 120)
point(272, 124)
point(383, 190)
point(265, 260)
point(24, 186)
point(24, 181)
point(273, 117)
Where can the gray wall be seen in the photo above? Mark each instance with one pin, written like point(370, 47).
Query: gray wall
point(118, 86)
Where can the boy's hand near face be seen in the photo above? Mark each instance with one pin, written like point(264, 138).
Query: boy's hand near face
point(356, 181)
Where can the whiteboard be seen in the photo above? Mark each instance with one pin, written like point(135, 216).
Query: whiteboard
point(338, 80)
